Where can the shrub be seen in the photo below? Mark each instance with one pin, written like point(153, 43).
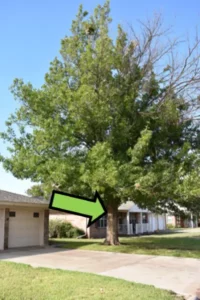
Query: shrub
point(75, 232)
point(53, 228)
point(178, 226)
point(170, 226)
point(60, 229)
point(63, 229)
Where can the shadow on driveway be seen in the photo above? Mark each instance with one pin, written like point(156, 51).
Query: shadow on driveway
point(29, 251)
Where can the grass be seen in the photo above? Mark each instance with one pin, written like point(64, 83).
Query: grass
point(22, 282)
point(174, 244)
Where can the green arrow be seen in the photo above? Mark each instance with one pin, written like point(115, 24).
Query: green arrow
point(93, 209)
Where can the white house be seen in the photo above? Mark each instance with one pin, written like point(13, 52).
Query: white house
point(183, 218)
point(132, 220)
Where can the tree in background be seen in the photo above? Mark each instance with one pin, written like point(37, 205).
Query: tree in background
point(113, 116)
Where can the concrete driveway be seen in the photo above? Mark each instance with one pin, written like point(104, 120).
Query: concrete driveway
point(180, 275)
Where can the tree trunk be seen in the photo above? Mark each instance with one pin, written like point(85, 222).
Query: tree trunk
point(112, 226)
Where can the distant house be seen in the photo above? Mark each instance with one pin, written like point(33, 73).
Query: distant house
point(132, 220)
point(181, 222)
point(23, 221)
point(183, 218)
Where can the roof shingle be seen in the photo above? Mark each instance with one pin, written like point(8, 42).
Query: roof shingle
point(16, 198)
point(126, 206)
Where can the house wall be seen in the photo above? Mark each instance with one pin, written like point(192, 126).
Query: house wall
point(96, 232)
point(154, 222)
point(23, 230)
point(161, 222)
point(76, 221)
point(6, 228)
point(157, 222)
point(2, 221)
point(45, 227)
point(150, 221)
point(171, 220)
point(41, 233)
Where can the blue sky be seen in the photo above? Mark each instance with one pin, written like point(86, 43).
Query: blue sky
point(31, 31)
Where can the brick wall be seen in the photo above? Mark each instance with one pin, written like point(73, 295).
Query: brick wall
point(96, 232)
point(76, 221)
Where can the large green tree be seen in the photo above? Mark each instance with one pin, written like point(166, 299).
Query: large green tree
point(107, 118)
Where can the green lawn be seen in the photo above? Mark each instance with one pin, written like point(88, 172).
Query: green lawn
point(22, 282)
point(173, 244)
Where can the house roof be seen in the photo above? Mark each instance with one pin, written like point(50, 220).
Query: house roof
point(126, 206)
point(16, 198)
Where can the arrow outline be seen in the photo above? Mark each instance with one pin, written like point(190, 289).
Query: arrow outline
point(96, 196)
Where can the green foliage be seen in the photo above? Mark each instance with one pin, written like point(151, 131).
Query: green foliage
point(100, 170)
point(60, 229)
point(170, 226)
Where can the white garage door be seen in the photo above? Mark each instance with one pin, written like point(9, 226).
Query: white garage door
point(24, 227)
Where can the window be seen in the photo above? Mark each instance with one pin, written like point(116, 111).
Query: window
point(144, 218)
point(35, 215)
point(11, 213)
point(133, 218)
point(102, 222)
point(121, 218)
